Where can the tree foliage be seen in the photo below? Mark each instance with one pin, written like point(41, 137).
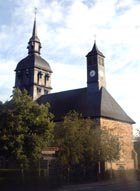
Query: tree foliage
point(25, 128)
point(106, 145)
point(74, 139)
point(137, 144)
point(81, 142)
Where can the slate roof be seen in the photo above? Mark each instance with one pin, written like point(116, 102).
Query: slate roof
point(95, 104)
point(32, 61)
point(95, 51)
point(34, 33)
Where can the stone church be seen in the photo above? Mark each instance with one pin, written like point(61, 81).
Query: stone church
point(33, 73)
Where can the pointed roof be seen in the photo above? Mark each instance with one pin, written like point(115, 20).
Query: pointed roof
point(93, 105)
point(34, 33)
point(34, 44)
point(34, 60)
point(95, 51)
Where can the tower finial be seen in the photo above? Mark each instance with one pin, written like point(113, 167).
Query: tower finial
point(95, 38)
point(34, 44)
point(35, 12)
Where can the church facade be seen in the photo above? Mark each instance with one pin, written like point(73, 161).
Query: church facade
point(33, 73)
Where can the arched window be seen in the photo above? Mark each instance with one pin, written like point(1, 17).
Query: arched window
point(47, 76)
point(39, 76)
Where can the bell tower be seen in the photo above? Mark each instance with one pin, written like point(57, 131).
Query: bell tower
point(95, 69)
point(33, 73)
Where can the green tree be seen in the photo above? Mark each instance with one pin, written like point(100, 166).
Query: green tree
point(81, 142)
point(106, 147)
point(25, 129)
point(136, 153)
point(74, 139)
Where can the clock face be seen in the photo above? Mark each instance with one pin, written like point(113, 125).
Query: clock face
point(92, 73)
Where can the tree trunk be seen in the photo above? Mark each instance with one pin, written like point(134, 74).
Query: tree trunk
point(99, 170)
point(111, 173)
point(99, 167)
point(68, 174)
point(22, 172)
point(39, 168)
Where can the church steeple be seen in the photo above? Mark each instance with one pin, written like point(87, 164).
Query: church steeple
point(95, 51)
point(33, 73)
point(34, 44)
point(95, 69)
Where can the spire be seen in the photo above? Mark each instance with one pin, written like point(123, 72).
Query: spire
point(34, 34)
point(95, 46)
point(34, 27)
point(34, 44)
point(95, 50)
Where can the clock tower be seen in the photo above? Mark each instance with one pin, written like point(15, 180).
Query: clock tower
point(95, 69)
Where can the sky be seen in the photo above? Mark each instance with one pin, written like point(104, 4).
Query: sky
point(67, 30)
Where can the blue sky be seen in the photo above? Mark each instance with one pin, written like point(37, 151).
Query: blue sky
point(66, 29)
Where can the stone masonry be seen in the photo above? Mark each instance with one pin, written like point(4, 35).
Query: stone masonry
point(125, 134)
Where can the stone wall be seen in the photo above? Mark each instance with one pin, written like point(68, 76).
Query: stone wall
point(42, 85)
point(125, 134)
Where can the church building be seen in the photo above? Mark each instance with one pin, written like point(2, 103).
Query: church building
point(33, 73)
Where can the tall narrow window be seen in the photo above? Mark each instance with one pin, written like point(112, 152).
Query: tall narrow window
point(38, 90)
point(39, 76)
point(47, 76)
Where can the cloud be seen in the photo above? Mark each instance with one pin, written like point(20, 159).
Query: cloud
point(66, 77)
point(66, 30)
point(6, 78)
